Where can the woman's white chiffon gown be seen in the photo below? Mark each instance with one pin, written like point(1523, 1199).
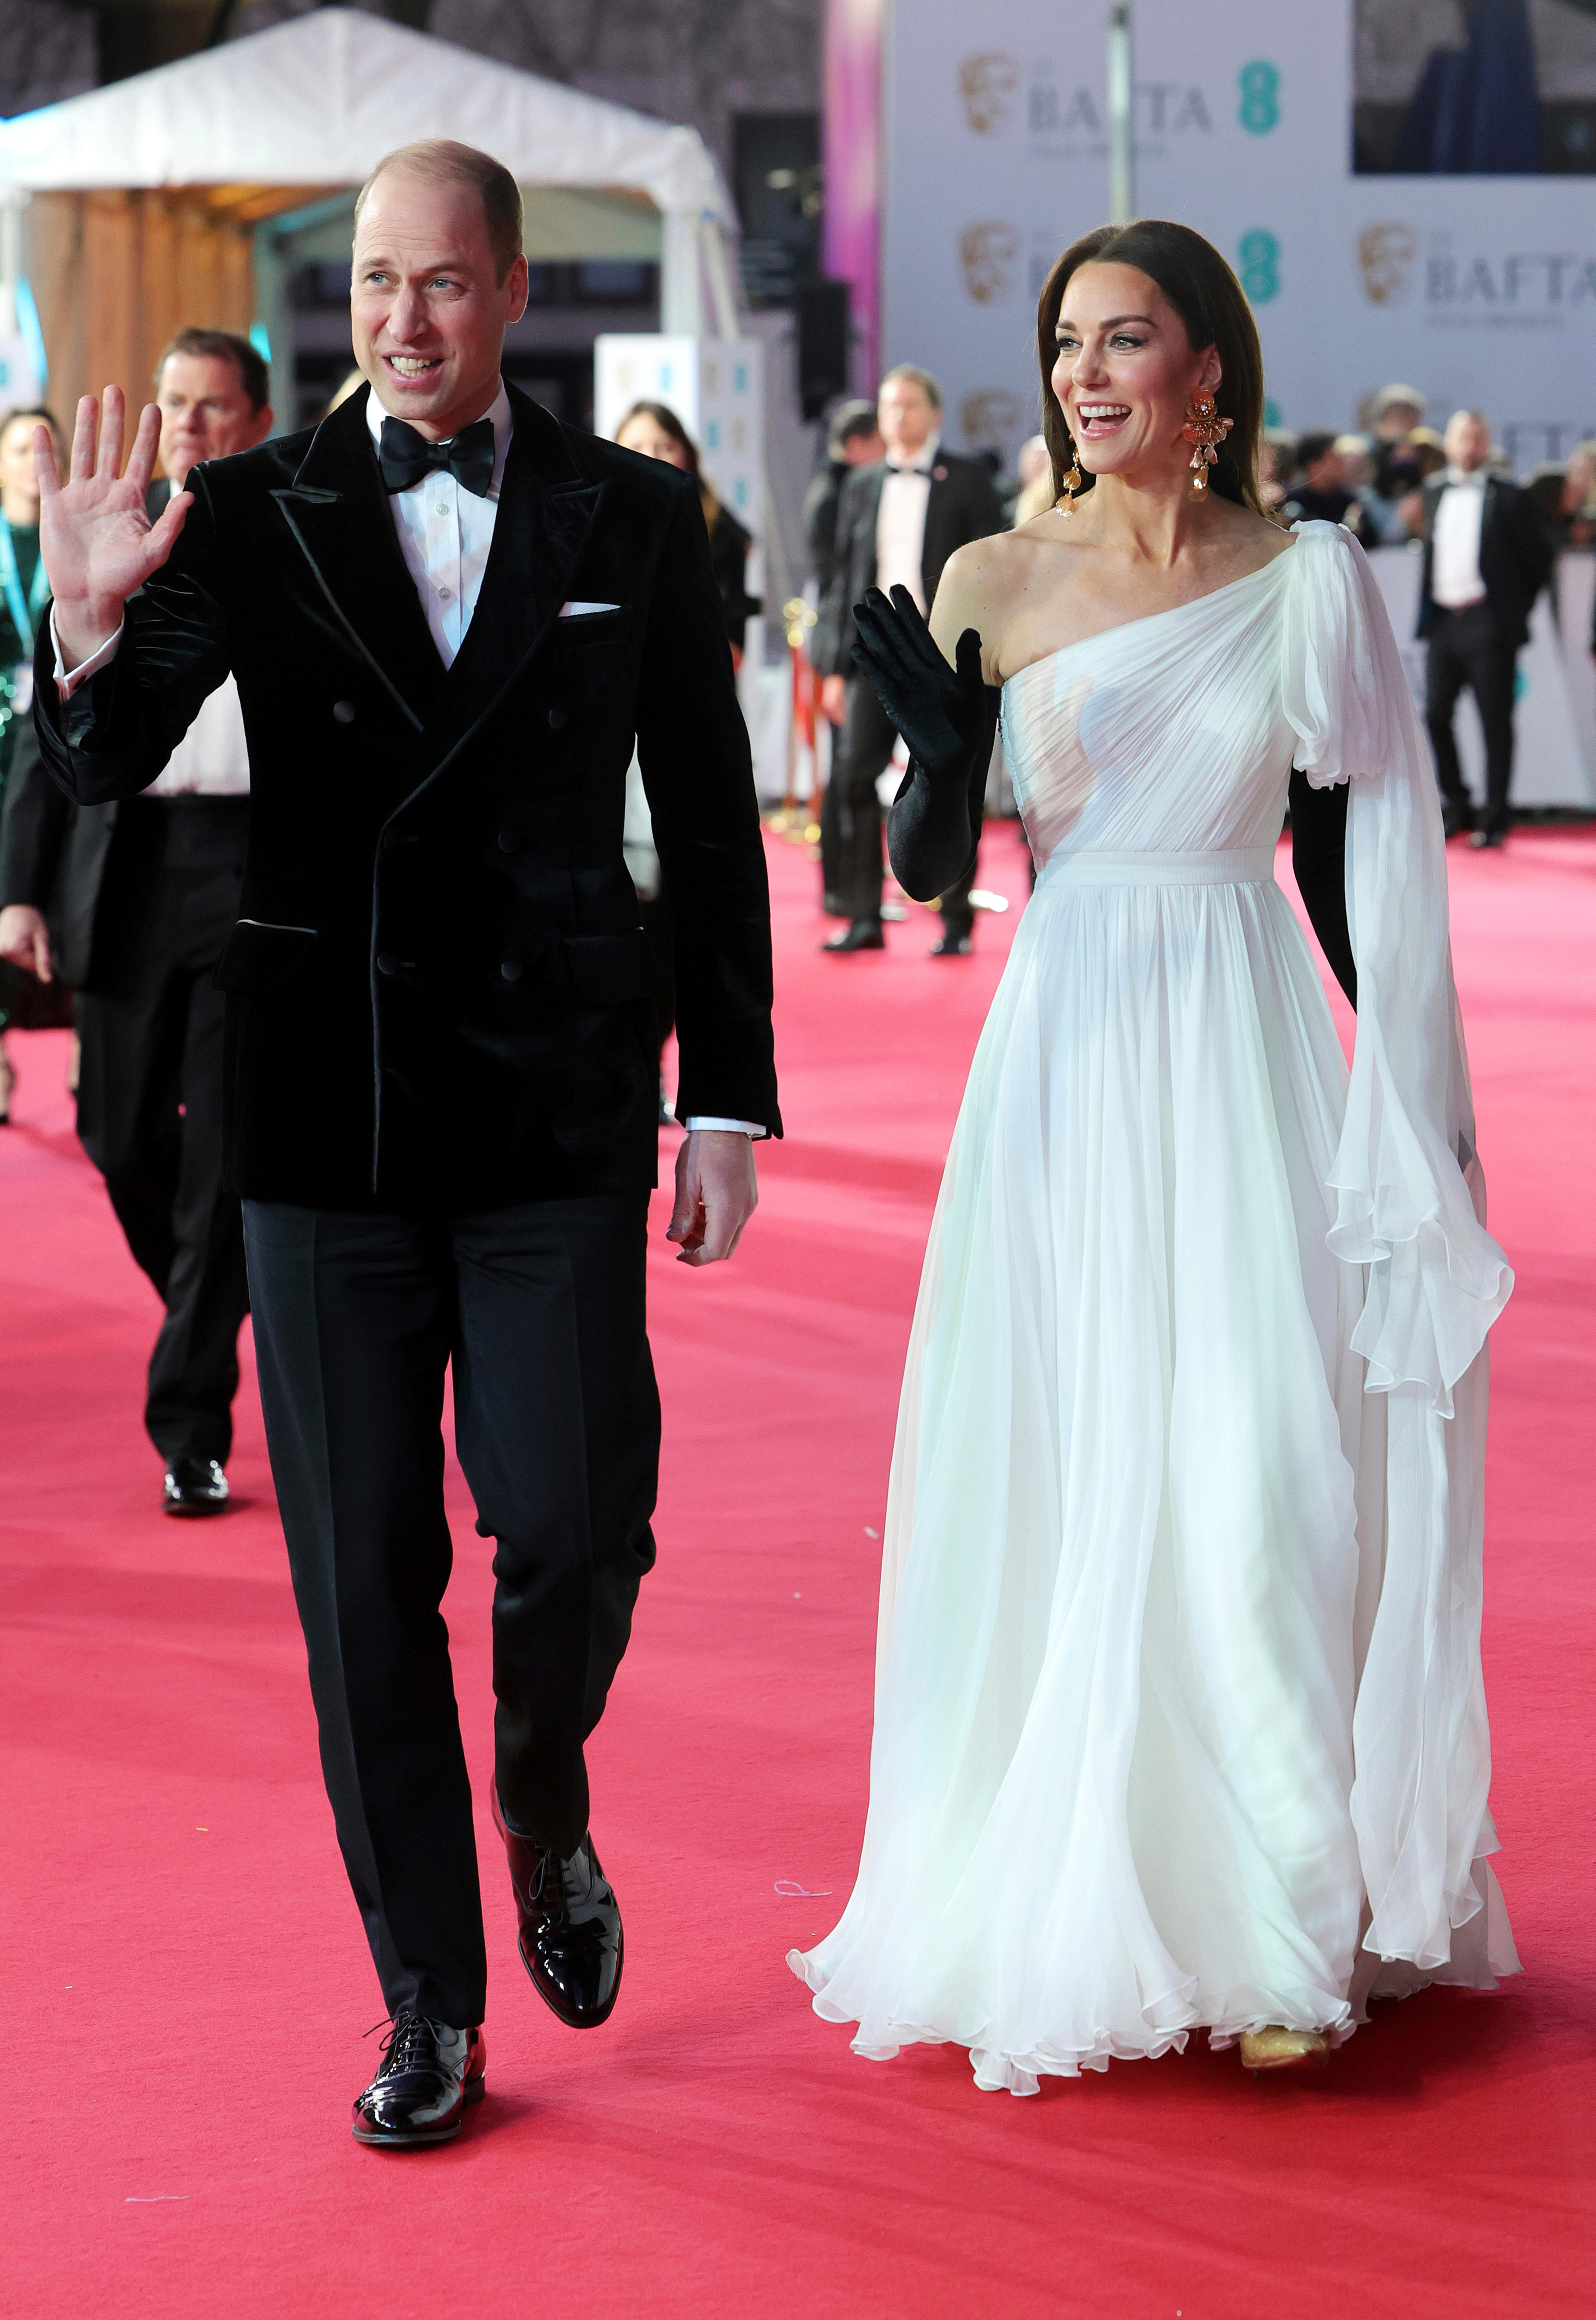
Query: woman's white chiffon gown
point(1179, 1718)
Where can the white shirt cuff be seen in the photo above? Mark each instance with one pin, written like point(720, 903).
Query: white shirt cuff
point(67, 680)
point(755, 1127)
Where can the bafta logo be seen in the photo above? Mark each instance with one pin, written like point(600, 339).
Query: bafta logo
point(988, 84)
point(988, 253)
point(992, 419)
point(1386, 255)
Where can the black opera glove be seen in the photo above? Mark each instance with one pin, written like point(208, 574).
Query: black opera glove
point(941, 712)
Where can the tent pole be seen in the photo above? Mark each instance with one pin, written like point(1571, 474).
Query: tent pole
point(14, 211)
point(722, 298)
point(681, 293)
point(271, 309)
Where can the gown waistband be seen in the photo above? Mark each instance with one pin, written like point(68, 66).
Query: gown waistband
point(1239, 865)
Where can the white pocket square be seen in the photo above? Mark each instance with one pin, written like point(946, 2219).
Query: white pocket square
point(574, 612)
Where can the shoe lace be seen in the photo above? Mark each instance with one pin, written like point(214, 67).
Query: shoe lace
point(410, 2043)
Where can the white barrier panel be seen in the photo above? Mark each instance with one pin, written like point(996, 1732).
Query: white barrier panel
point(715, 386)
point(1551, 766)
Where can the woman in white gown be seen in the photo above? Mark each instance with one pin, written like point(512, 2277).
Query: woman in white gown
point(1179, 1718)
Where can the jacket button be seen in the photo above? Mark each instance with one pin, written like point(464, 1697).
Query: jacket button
point(511, 970)
point(558, 718)
point(387, 962)
point(509, 841)
point(343, 712)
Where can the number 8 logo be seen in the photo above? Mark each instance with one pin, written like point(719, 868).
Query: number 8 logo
point(1259, 83)
point(1259, 256)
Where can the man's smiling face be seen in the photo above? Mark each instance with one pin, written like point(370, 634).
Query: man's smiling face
point(427, 310)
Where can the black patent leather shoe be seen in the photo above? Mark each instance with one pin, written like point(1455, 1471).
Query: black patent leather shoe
point(864, 934)
point(194, 1486)
point(1457, 821)
point(571, 1942)
point(952, 946)
point(1491, 838)
point(430, 2078)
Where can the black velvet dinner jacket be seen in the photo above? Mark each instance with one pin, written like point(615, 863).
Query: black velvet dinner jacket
point(440, 995)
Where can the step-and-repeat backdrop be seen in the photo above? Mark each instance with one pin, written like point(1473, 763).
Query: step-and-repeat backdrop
point(1263, 123)
point(1478, 290)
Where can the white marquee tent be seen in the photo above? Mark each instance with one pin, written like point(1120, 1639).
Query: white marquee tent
point(312, 104)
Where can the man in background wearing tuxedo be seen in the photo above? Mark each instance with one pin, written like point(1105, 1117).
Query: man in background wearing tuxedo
point(1486, 559)
point(898, 521)
point(853, 440)
point(449, 616)
point(145, 893)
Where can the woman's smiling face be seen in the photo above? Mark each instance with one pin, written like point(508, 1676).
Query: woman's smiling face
point(1125, 371)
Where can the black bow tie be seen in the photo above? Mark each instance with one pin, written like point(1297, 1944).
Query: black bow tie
point(406, 458)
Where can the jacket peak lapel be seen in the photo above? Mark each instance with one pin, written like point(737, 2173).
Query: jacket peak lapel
point(337, 515)
point(538, 535)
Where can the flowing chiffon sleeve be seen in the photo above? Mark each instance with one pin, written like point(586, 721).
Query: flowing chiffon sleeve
point(1410, 1210)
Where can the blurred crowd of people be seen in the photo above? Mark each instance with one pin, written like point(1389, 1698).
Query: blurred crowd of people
point(1372, 481)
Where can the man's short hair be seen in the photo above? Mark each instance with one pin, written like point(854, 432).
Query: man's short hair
point(1312, 446)
point(1381, 403)
point(222, 346)
point(442, 162)
point(850, 422)
point(921, 379)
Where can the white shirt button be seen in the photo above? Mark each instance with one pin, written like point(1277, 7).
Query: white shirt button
point(441, 508)
point(446, 595)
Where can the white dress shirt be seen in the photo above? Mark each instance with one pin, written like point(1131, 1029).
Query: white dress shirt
point(445, 533)
point(900, 521)
point(1454, 581)
point(212, 759)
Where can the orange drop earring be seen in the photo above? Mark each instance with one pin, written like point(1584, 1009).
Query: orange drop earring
point(1071, 481)
point(1204, 428)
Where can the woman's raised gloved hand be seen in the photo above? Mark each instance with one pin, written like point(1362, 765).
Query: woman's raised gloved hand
point(941, 712)
point(946, 717)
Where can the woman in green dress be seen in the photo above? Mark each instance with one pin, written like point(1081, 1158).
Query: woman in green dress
point(25, 593)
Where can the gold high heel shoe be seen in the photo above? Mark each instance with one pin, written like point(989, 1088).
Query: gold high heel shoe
point(1274, 2049)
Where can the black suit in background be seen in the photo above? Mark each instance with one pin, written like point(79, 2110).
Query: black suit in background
point(438, 950)
point(821, 503)
point(1478, 646)
point(961, 505)
point(141, 898)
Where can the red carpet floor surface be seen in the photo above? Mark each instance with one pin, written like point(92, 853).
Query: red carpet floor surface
point(185, 1984)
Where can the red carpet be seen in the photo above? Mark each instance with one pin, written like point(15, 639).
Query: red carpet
point(187, 1976)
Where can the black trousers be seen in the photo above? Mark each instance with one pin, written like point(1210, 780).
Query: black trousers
point(540, 1310)
point(861, 753)
point(150, 1098)
point(1464, 650)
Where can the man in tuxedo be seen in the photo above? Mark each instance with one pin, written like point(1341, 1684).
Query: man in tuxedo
point(450, 615)
point(853, 440)
point(1486, 559)
point(147, 893)
point(898, 521)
